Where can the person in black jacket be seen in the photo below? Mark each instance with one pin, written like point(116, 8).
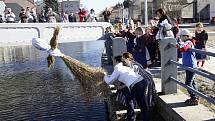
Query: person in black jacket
point(1, 19)
point(72, 17)
point(201, 37)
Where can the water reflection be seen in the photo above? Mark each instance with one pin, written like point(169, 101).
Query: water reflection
point(29, 91)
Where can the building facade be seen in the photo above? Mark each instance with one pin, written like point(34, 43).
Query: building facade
point(69, 6)
point(212, 11)
point(16, 5)
point(185, 10)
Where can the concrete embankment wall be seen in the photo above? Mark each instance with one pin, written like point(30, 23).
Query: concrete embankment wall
point(22, 33)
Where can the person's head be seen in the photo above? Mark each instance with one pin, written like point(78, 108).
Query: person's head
point(22, 10)
point(127, 59)
point(156, 18)
point(199, 27)
point(128, 56)
point(153, 22)
point(50, 9)
point(160, 13)
point(139, 31)
point(108, 29)
point(185, 34)
point(92, 11)
point(130, 28)
point(28, 9)
point(148, 30)
point(42, 11)
point(174, 21)
point(9, 10)
point(138, 23)
point(117, 59)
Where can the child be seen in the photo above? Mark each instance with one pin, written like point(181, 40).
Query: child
point(201, 37)
point(189, 59)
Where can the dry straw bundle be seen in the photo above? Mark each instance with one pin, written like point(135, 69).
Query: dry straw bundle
point(91, 78)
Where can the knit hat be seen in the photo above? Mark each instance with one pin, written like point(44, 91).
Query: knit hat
point(185, 32)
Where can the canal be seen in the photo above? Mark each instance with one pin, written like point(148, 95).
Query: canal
point(30, 91)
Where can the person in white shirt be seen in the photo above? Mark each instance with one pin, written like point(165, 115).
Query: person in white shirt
point(164, 25)
point(92, 16)
point(135, 82)
point(30, 17)
point(9, 16)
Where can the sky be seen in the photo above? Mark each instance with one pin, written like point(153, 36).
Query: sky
point(99, 5)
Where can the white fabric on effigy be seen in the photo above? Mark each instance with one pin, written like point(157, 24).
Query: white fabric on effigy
point(41, 44)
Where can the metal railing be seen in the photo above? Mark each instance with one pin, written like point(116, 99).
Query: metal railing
point(169, 67)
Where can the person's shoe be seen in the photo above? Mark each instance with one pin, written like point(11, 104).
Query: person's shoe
point(191, 102)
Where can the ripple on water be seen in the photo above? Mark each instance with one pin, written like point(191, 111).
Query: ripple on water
point(29, 91)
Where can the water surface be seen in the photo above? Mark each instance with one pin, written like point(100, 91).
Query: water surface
point(30, 91)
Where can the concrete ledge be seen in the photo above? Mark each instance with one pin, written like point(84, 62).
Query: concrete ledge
point(70, 32)
point(173, 108)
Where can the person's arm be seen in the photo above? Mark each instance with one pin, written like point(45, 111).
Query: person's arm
point(185, 47)
point(13, 15)
point(109, 79)
point(205, 39)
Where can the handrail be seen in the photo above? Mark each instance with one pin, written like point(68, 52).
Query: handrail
point(209, 99)
point(169, 66)
point(196, 50)
point(209, 76)
point(202, 52)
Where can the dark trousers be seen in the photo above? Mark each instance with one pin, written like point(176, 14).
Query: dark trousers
point(130, 107)
point(191, 83)
point(138, 92)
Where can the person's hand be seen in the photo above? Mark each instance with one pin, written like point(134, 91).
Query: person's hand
point(120, 87)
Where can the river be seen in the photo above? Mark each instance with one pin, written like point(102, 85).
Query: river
point(31, 91)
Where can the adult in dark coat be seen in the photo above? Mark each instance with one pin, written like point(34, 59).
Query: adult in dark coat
point(108, 44)
point(106, 15)
point(23, 16)
point(72, 18)
point(150, 41)
point(129, 35)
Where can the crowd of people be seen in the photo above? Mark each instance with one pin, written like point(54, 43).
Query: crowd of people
point(143, 48)
point(29, 15)
point(130, 72)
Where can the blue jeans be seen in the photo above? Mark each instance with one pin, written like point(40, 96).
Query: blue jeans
point(191, 83)
point(139, 93)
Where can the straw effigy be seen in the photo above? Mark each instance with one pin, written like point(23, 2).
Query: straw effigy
point(91, 78)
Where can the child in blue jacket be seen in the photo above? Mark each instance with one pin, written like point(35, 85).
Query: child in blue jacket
point(189, 59)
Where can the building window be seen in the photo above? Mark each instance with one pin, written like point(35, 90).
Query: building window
point(66, 5)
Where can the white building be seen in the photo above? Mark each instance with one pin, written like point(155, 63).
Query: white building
point(69, 6)
point(212, 9)
point(2, 7)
